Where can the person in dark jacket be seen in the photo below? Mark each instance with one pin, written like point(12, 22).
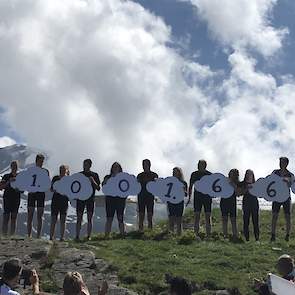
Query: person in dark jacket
point(59, 205)
point(176, 210)
point(114, 204)
point(228, 206)
point(11, 200)
point(250, 206)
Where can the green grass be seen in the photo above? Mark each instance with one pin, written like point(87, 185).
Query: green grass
point(142, 260)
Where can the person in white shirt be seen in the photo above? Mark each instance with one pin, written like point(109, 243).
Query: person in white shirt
point(11, 273)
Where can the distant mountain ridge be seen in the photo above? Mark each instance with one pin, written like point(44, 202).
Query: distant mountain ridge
point(23, 153)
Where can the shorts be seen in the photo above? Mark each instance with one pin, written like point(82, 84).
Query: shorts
point(201, 200)
point(276, 206)
point(228, 207)
point(89, 204)
point(175, 210)
point(146, 201)
point(38, 197)
point(59, 205)
point(115, 205)
point(10, 204)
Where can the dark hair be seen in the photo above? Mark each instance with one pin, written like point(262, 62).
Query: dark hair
point(285, 159)
point(89, 161)
point(11, 269)
point(249, 171)
point(235, 173)
point(112, 168)
point(180, 286)
point(146, 161)
point(40, 157)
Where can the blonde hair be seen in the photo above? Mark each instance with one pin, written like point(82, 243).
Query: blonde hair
point(73, 283)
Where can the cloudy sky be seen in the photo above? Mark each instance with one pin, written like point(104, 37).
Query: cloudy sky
point(169, 80)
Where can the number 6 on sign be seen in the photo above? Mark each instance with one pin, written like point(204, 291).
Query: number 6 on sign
point(215, 185)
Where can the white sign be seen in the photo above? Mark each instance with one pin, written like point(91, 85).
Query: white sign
point(215, 185)
point(169, 189)
point(75, 186)
point(33, 179)
point(122, 185)
point(271, 188)
point(280, 286)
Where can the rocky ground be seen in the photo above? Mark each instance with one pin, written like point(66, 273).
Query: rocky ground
point(53, 260)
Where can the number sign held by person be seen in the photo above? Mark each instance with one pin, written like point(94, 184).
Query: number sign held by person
point(271, 188)
point(168, 189)
point(122, 185)
point(33, 179)
point(75, 186)
point(215, 185)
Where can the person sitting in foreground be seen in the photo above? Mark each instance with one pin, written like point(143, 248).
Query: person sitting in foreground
point(11, 274)
point(285, 268)
point(74, 285)
point(178, 286)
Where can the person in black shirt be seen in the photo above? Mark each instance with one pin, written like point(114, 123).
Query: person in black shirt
point(59, 204)
point(89, 204)
point(200, 199)
point(114, 204)
point(39, 198)
point(250, 205)
point(228, 206)
point(288, 176)
point(11, 200)
point(176, 210)
point(145, 199)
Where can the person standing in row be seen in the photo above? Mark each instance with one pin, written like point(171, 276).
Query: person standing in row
point(145, 199)
point(228, 206)
point(288, 177)
point(250, 206)
point(11, 200)
point(89, 203)
point(114, 204)
point(176, 210)
point(200, 199)
point(59, 205)
point(36, 199)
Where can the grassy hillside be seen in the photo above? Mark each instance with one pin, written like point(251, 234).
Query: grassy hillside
point(142, 260)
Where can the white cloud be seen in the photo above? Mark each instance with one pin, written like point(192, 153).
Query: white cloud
point(96, 79)
point(242, 23)
point(6, 141)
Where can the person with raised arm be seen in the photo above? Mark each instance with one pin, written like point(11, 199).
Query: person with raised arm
point(11, 200)
point(288, 178)
point(145, 199)
point(228, 206)
point(250, 206)
point(114, 204)
point(175, 211)
point(59, 205)
point(89, 203)
point(200, 199)
point(36, 199)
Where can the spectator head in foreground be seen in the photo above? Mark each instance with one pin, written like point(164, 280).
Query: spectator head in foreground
point(74, 285)
point(179, 286)
point(11, 272)
point(285, 266)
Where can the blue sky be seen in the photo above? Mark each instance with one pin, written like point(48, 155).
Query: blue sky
point(184, 21)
